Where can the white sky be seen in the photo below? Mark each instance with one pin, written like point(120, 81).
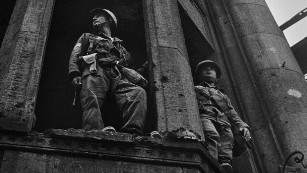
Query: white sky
point(283, 10)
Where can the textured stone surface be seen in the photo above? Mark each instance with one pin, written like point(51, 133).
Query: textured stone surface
point(175, 97)
point(286, 98)
point(289, 169)
point(10, 40)
point(57, 163)
point(6, 10)
point(168, 26)
point(255, 2)
point(270, 85)
point(278, 76)
point(21, 75)
point(266, 82)
point(79, 151)
point(180, 104)
point(246, 93)
point(253, 19)
point(264, 52)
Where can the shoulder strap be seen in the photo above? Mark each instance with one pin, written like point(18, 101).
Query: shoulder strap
point(88, 42)
point(216, 101)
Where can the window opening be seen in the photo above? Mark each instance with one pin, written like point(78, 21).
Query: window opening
point(299, 51)
point(197, 46)
point(54, 107)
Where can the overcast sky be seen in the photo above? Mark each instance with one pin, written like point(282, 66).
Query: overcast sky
point(283, 10)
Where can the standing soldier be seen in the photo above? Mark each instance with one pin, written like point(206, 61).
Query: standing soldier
point(217, 114)
point(98, 64)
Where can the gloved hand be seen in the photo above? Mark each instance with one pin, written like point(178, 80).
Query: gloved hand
point(245, 133)
point(76, 82)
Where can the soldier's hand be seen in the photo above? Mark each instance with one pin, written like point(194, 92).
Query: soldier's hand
point(76, 82)
point(246, 133)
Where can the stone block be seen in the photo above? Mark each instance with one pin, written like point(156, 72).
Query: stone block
point(284, 92)
point(239, 2)
point(178, 92)
point(269, 51)
point(20, 79)
point(172, 79)
point(168, 25)
point(253, 19)
point(78, 151)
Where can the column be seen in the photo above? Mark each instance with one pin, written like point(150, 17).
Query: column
point(270, 84)
point(21, 61)
point(171, 73)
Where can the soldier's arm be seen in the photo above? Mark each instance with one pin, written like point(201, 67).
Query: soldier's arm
point(126, 59)
point(143, 70)
point(233, 116)
point(200, 97)
point(74, 61)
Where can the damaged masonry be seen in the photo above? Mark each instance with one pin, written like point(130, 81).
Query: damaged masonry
point(41, 128)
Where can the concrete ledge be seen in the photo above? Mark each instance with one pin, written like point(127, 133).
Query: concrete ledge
point(90, 147)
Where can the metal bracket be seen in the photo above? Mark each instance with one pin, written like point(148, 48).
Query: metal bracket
point(296, 159)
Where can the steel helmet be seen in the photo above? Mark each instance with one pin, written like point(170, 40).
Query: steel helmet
point(104, 11)
point(208, 62)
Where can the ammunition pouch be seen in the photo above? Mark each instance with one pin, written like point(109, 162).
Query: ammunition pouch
point(91, 61)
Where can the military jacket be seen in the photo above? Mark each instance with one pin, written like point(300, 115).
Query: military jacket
point(109, 52)
point(216, 106)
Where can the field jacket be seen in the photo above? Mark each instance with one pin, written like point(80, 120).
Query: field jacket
point(109, 53)
point(216, 106)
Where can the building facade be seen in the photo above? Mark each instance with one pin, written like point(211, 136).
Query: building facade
point(260, 74)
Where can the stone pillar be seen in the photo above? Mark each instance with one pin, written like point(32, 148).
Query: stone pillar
point(21, 55)
point(270, 84)
point(172, 78)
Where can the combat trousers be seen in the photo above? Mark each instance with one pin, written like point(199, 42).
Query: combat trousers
point(219, 139)
point(130, 98)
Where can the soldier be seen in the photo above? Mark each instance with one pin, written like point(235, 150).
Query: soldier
point(98, 64)
point(217, 114)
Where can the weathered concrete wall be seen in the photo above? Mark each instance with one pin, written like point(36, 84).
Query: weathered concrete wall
point(6, 10)
point(21, 60)
point(174, 93)
point(22, 162)
point(270, 84)
point(78, 151)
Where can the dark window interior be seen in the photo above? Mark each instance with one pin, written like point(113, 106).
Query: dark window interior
point(70, 19)
point(300, 50)
point(6, 9)
point(197, 46)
